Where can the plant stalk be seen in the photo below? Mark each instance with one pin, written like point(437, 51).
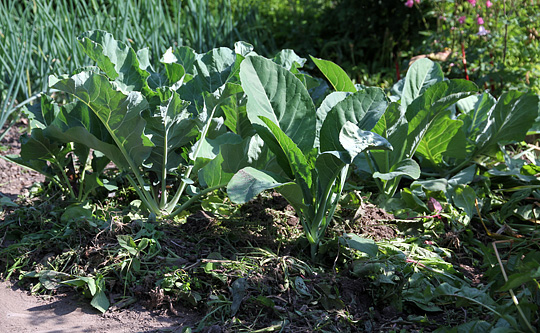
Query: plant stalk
point(170, 206)
point(193, 199)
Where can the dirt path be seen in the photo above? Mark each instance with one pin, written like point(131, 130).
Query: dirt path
point(20, 312)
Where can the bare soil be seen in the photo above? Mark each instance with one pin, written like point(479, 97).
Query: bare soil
point(21, 312)
point(14, 179)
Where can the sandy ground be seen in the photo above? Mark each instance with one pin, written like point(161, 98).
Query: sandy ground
point(20, 312)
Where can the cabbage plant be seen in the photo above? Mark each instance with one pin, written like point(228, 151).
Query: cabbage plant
point(313, 148)
point(160, 127)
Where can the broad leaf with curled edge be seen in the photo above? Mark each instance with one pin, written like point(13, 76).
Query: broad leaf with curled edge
point(407, 167)
point(509, 120)
point(289, 60)
point(356, 141)
point(213, 70)
point(118, 113)
point(327, 104)
point(300, 165)
point(363, 108)
point(247, 183)
point(392, 126)
point(474, 111)
point(423, 111)
point(422, 74)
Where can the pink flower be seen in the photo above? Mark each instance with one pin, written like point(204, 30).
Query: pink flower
point(461, 19)
point(472, 2)
point(417, 1)
point(409, 3)
point(488, 4)
point(479, 20)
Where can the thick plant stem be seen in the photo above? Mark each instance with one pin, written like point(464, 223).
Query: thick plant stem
point(66, 181)
point(314, 247)
point(149, 204)
point(170, 206)
point(83, 176)
point(372, 169)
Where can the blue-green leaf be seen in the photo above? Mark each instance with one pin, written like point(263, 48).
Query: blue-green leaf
point(275, 93)
point(465, 197)
point(363, 108)
point(355, 141)
point(509, 120)
point(407, 167)
point(118, 113)
point(424, 110)
point(249, 182)
point(117, 60)
point(170, 128)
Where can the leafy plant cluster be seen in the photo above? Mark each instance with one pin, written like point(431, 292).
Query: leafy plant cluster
point(235, 119)
point(231, 119)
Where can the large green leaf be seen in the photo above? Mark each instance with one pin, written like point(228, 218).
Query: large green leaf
point(36, 151)
point(363, 108)
point(424, 110)
point(44, 113)
point(119, 116)
point(327, 104)
point(227, 94)
point(392, 126)
point(474, 113)
point(444, 138)
point(213, 70)
point(335, 75)
point(356, 242)
point(249, 182)
point(77, 123)
point(464, 197)
point(300, 165)
point(231, 158)
point(355, 141)
point(275, 93)
point(117, 60)
point(422, 74)
point(289, 60)
point(509, 120)
point(39, 147)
